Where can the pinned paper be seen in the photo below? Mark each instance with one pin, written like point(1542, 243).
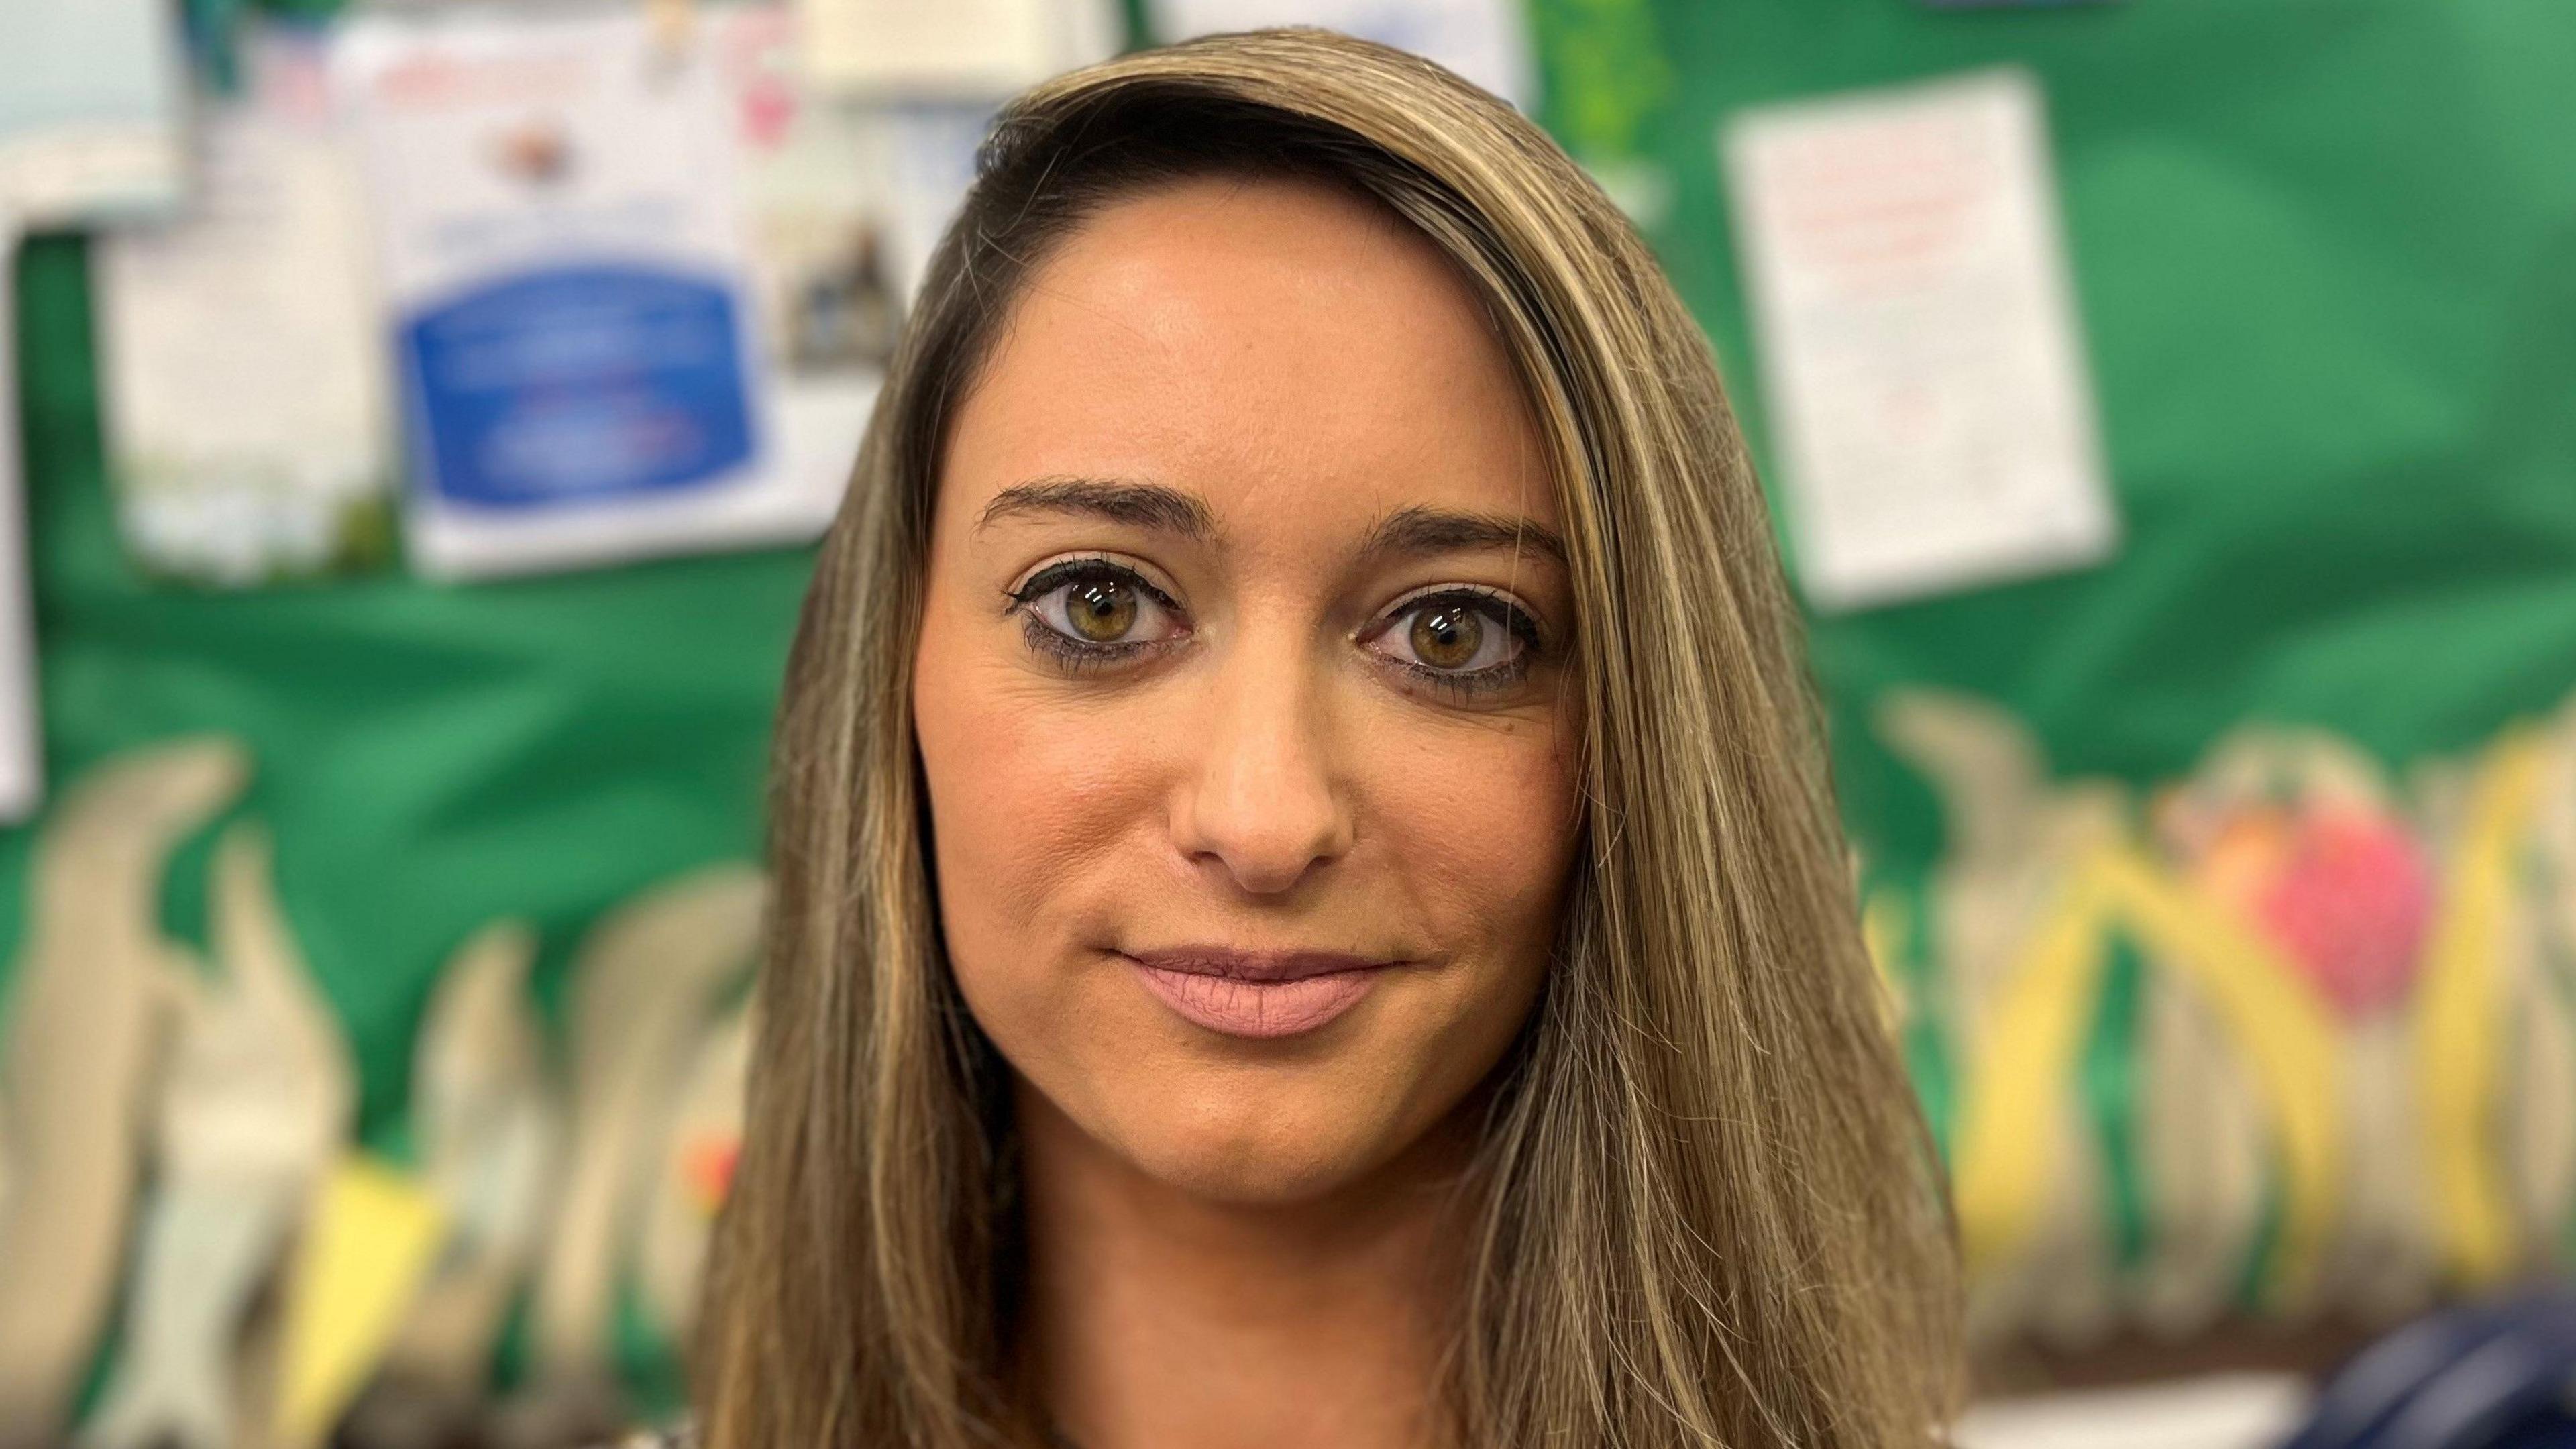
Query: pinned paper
point(1919, 349)
point(89, 110)
point(255, 1095)
point(1487, 41)
point(693, 1170)
point(645, 981)
point(373, 1238)
point(244, 375)
point(563, 250)
point(959, 48)
point(75, 1075)
point(825, 273)
point(490, 1140)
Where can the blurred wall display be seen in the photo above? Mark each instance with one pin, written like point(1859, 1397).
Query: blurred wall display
point(490, 1131)
point(933, 157)
point(2224, 883)
point(1918, 340)
point(253, 1101)
point(959, 49)
point(563, 253)
point(89, 984)
point(818, 190)
point(2240, 1410)
point(89, 110)
point(1487, 41)
point(245, 377)
point(651, 981)
point(2223, 880)
point(279, 1269)
point(22, 779)
point(909, 90)
point(2287, 1031)
point(2219, 879)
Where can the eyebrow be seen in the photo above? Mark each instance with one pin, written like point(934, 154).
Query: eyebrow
point(1416, 531)
point(1422, 531)
point(1146, 505)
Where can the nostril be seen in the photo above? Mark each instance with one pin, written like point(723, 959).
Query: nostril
point(1262, 800)
point(1266, 837)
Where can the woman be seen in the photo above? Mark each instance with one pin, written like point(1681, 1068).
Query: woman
point(1309, 907)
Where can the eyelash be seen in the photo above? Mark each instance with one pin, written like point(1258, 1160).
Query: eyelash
point(1079, 656)
point(1495, 606)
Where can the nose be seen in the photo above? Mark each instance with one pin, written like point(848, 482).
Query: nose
point(1260, 802)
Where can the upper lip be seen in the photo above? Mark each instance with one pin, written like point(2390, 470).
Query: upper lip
point(1240, 965)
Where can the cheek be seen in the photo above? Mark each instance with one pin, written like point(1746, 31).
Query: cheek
point(1482, 819)
point(1476, 826)
point(1028, 802)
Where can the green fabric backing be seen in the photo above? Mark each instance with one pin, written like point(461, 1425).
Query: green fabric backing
point(2326, 258)
point(2325, 252)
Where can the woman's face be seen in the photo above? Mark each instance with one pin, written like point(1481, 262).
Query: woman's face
point(1241, 690)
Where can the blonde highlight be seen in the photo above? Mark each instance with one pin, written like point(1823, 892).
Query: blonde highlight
point(1709, 1212)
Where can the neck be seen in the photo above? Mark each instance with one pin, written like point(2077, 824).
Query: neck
point(1156, 1317)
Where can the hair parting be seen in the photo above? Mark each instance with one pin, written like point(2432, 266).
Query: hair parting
point(1708, 1212)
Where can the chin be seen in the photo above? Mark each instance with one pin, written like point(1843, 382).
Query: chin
point(1247, 1152)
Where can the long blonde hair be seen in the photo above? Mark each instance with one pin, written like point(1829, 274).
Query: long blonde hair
point(1711, 1214)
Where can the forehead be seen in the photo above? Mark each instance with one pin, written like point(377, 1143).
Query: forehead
point(1285, 349)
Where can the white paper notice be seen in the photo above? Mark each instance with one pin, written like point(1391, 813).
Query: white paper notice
point(1920, 354)
point(1487, 41)
point(89, 109)
point(22, 757)
point(244, 374)
point(957, 48)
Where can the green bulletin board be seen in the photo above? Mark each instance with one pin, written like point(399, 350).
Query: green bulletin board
point(2325, 252)
point(2326, 260)
point(429, 757)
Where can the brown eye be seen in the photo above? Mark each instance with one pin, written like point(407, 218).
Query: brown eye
point(1461, 638)
point(1448, 636)
point(1100, 610)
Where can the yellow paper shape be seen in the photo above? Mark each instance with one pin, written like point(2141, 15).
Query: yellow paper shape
point(2000, 1179)
point(2287, 1033)
point(2459, 1025)
point(373, 1237)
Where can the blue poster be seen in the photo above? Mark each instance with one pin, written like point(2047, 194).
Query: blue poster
point(579, 382)
point(562, 237)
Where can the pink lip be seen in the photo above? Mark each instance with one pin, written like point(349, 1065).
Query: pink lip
point(1258, 994)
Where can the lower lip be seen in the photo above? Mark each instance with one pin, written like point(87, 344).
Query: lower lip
point(1259, 1009)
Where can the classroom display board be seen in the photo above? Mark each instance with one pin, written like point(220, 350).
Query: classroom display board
point(2230, 882)
point(2227, 875)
